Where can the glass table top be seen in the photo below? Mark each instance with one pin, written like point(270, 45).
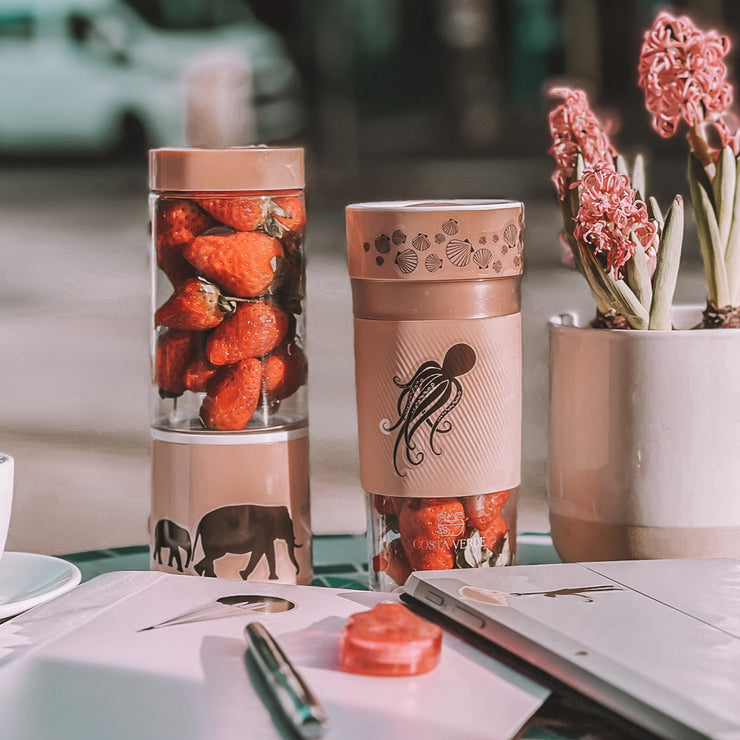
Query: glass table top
point(339, 561)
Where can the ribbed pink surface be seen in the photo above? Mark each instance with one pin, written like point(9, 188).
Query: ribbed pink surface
point(482, 451)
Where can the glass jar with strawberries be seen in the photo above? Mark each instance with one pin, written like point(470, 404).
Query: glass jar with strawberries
point(228, 357)
point(229, 345)
point(436, 300)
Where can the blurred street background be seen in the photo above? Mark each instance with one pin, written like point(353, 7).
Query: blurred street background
point(391, 99)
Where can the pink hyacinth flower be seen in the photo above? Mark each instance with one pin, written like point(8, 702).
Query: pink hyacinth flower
point(610, 215)
point(683, 75)
point(575, 130)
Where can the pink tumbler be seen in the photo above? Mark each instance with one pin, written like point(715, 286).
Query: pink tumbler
point(436, 297)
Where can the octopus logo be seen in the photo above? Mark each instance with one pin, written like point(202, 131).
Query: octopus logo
point(425, 402)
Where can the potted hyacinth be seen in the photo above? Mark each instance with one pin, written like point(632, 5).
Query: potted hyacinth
point(644, 423)
point(628, 253)
point(684, 78)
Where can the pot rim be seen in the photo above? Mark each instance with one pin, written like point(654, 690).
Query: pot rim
point(687, 316)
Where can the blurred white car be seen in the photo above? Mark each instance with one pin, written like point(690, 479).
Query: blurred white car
point(94, 75)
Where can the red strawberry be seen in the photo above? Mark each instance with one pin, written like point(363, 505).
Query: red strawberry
point(284, 372)
point(287, 288)
point(173, 264)
point(386, 505)
point(394, 562)
point(194, 305)
point(399, 568)
point(481, 511)
point(242, 213)
point(232, 396)
point(253, 330)
point(198, 373)
point(175, 350)
point(429, 528)
point(179, 221)
point(290, 213)
point(493, 534)
point(242, 264)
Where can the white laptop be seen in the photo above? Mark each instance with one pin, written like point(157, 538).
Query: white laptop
point(657, 641)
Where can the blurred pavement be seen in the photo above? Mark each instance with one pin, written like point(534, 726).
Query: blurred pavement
point(74, 322)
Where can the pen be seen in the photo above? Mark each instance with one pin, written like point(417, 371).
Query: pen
point(297, 701)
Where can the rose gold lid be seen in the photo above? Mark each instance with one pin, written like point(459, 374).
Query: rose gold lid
point(435, 240)
point(215, 170)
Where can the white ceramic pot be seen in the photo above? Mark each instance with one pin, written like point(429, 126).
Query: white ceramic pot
point(644, 441)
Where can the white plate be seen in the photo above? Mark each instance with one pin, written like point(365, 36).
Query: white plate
point(28, 579)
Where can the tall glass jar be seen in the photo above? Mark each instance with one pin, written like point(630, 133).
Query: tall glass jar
point(230, 494)
point(436, 299)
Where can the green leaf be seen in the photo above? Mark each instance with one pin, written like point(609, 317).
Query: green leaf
point(580, 166)
point(638, 176)
point(575, 193)
point(628, 305)
point(706, 225)
point(723, 189)
point(666, 272)
point(655, 213)
point(637, 275)
point(616, 293)
point(569, 225)
point(568, 216)
point(572, 201)
point(595, 277)
point(732, 254)
point(698, 174)
point(620, 165)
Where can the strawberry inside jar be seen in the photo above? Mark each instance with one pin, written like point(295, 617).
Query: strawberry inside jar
point(445, 533)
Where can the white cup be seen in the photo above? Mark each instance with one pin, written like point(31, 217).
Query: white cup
point(6, 497)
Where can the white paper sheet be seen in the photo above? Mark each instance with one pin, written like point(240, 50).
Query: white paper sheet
point(79, 667)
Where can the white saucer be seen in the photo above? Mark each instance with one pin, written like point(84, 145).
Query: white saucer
point(28, 579)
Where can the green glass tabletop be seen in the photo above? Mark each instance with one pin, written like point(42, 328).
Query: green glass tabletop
point(339, 561)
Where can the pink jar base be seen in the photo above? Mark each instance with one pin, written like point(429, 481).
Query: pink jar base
point(234, 506)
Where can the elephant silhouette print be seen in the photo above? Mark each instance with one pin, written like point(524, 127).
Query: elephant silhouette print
point(244, 528)
point(169, 535)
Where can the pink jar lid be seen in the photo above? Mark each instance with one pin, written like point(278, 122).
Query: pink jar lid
point(255, 168)
point(435, 240)
point(389, 640)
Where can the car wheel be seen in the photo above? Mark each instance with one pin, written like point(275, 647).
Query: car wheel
point(132, 139)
